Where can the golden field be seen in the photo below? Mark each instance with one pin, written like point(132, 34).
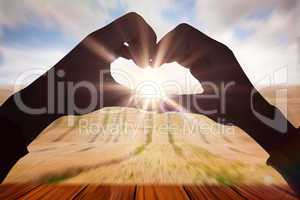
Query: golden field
point(122, 145)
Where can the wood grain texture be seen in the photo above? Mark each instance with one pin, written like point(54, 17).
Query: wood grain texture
point(144, 192)
point(92, 192)
point(15, 191)
point(161, 192)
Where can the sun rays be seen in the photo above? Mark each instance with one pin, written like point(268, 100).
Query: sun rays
point(99, 50)
point(147, 87)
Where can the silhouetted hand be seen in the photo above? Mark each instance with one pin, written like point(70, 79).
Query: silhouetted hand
point(229, 97)
point(227, 89)
point(81, 82)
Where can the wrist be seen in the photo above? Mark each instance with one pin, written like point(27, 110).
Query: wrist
point(238, 101)
point(30, 124)
point(12, 145)
point(245, 103)
point(261, 120)
point(285, 159)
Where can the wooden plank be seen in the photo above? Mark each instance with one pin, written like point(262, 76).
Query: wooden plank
point(161, 192)
point(49, 192)
point(194, 193)
point(143, 192)
point(225, 193)
point(14, 191)
point(107, 192)
point(271, 192)
point(265, 192)
point(287, 189)
point(245, 193)
point(199, 192)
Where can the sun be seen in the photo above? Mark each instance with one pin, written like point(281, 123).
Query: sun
point(151, 88)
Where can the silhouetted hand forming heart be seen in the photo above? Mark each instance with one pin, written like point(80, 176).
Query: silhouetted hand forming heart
point(229, 97)
point(81, 82)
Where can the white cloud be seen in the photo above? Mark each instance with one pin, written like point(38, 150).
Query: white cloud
point(218, 16)
point(152, 12)
point(72, 16)
point(271, 44)
point(272, 40)
point(82, 17)
point(75, 18)
point(18, 61)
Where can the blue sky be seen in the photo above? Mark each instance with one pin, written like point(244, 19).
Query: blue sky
point(34, 35)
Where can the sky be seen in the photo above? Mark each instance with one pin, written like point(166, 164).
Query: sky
point(263, 34)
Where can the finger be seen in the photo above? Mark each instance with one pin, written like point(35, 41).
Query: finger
point(143, 46)
point(130, 29)
point(124, 52)
point(173, 47)
point(185, 45)
point(139, 36)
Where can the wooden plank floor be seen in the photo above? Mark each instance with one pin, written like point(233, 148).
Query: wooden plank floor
point(143, 192)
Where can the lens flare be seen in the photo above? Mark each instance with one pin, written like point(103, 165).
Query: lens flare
point(151, 88)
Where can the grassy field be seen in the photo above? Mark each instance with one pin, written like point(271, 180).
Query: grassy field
point(122, 145)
